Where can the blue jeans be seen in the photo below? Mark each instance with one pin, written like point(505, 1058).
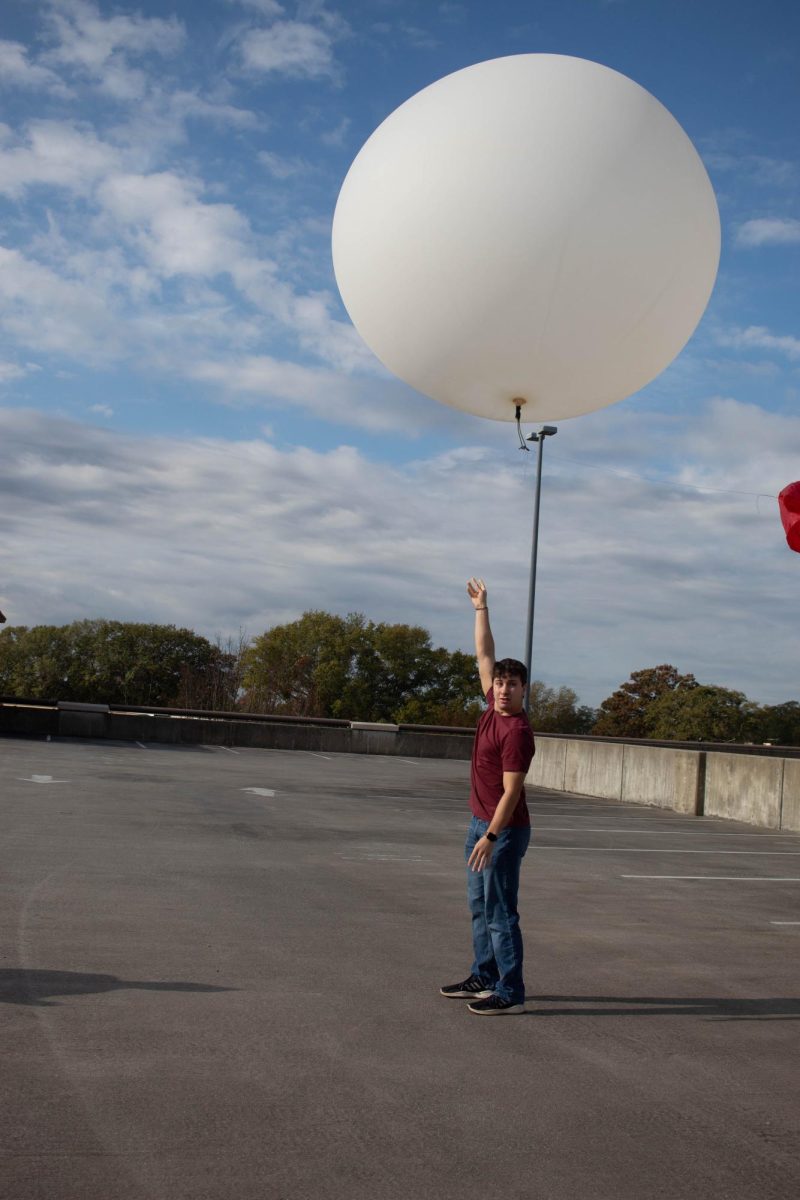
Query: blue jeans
point(492, 895)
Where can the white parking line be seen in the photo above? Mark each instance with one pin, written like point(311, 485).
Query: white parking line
point(729, 878)
point(411, 762)
point(665, 832)
point(142, 745)
point(669, 850)
point(784, 922)
point(229, 750)
point(316, 754)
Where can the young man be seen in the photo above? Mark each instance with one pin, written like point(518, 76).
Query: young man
point(500, 829)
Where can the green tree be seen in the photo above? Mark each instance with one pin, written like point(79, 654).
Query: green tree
point(216, 685)
point(328, 666)
point(556, 710)
point(102, 661)
point(624, 712)
point(777, 723)
point(302, 667)
point(703, 713)
point(35, 662)
point(450, 696)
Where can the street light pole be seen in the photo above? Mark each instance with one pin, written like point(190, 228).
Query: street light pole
point(545, 431)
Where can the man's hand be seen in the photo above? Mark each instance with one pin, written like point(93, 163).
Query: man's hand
point(481, 855)
point(476, 589)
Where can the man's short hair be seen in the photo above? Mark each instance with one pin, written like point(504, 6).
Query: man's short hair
point(510, 666)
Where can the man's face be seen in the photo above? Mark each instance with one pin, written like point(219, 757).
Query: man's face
point(509, 694)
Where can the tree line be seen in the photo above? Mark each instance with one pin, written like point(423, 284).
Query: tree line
point(324, 665)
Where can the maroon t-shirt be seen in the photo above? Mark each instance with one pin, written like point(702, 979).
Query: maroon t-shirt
point(501, 744)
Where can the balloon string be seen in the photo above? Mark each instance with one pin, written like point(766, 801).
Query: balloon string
point(518, 414)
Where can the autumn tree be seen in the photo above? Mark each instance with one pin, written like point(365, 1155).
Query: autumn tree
point(623, 713)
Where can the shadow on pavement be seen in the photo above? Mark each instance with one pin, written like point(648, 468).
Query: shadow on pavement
point(781, 1007)
point(18, 986)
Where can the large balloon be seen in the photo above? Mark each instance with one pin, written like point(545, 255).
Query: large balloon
point(535, 227)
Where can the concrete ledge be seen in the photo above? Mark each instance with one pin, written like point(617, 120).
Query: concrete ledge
point(664, 778)
point(744, 789)
point(375, 726)
point(76, 719)
point(594, 769)
point(790, 799)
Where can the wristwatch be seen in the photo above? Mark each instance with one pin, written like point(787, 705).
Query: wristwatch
point(490, 837)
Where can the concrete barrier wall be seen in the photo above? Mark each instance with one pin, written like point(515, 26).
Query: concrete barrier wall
point(96, 722)
point(790, 799)
point(662, 777)
point(745, 788)
point(594, 769)
point(29, 722)
point(549, 764)
point(757, 789)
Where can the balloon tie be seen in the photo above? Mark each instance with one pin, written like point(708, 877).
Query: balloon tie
point(518, 414)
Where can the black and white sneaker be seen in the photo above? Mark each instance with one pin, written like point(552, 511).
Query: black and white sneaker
point(471, 989)
point(495, 1006)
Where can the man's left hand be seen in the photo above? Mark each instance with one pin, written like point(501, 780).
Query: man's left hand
point(481, 855)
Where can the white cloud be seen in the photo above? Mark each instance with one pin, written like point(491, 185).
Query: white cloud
point(102, 410)
point(153, 128)
point(338, 135)
point(47, 311)
point(759, 337)
point(176, 232)
point(291, 48)
point(267, 8)
point(56, 154)
point(759, 169)
point(10, 371)
point(376, 405)
point(17, 71)
point(769, 231)
point(99, 47)
point(630, 574)
point(281, 167)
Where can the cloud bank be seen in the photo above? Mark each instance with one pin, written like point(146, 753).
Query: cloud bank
point(217, 535)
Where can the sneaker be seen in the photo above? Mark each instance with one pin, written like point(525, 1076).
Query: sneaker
point(470, 989)
point(495, 1006)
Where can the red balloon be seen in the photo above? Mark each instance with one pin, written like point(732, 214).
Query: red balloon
point(789, 504)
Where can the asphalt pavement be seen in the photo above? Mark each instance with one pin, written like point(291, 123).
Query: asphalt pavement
point(220, 976)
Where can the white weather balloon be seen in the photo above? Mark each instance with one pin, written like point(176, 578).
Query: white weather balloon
point(534, 227)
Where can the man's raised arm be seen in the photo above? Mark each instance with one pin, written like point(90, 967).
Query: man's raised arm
point(484, 642)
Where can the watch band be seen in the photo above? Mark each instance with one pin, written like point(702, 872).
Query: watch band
point(491, 837)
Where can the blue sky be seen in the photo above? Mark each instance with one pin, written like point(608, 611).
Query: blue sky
point(191, 430)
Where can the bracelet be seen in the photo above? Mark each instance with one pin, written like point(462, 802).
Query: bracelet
point(482, 608)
